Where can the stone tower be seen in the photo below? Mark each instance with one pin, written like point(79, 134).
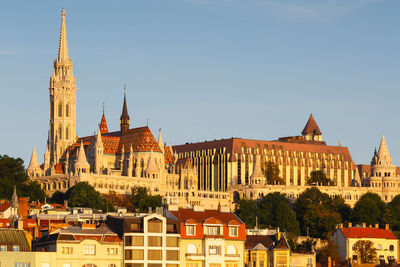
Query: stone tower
point(381, 164)
point(62, 127)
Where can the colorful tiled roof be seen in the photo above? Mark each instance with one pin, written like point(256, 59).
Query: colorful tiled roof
point(59, 168)
point(367, 232)
point(4, 206)
point(169, 158)
point(103, 125)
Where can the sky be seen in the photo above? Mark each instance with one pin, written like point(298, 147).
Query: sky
point(208, 69)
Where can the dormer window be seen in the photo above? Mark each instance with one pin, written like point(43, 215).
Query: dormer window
point(190, 230)
point(233, 231)
point(213, 230)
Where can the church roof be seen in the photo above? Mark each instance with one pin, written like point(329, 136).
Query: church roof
point(311, 127)
point(103, 125)
point(81, 160)
point(63, 45)
point(169, 158)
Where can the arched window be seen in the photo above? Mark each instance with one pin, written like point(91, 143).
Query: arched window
point(89, 265)
point(191, 249)
point(60, 108)
point(59, 132)
point(391, 248)
point(67, 110)
point(67, 132)
point(231, 250)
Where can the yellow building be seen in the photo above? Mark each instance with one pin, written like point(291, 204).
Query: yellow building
point(384, 240)
point(85, 245)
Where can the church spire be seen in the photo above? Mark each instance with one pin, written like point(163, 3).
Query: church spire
point(63, 46)
point(124, 119)
point(383, 152)
point(103, 123)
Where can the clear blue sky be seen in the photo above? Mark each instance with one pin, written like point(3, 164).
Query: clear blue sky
point(208, 69)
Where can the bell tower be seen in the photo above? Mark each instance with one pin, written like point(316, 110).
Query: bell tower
point(62, 126)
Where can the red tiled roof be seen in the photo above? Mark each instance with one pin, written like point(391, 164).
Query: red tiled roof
point(212, 220)
point(103, 125)
point(367, 232)
point(311, 127)
point(4, 206)
point(190, 221)
point(201, 216)
point(5, 223)
point(234, 146)
point(58, 168)
point(169, 158)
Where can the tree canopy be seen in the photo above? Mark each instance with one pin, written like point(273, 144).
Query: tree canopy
point(369, 209)
point(365, 251)
point(12, 172)
point(319, 178)
point(271, 172)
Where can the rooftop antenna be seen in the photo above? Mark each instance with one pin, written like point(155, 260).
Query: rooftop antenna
point(103, 107)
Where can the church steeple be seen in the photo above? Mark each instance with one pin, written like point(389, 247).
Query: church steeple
point(311, 131)
point(103, 124)
point(62, 125)
point(63, 45)
point(124, 119)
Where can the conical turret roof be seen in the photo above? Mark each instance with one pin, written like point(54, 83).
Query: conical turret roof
point(14, 199)
point(124, 115)
point(311, 127)
point(151, 166)
point(384, 157)
point(257, 178)
point(82, 162)
point(34, 163)
point(160, 141)
point(103, 125)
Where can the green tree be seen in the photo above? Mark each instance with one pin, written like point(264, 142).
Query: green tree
point(338, 204)
point(274, 210)
point(142, 200)
point(84, 195)
point(12, 172)
point(271, 172)
point(246, 210)
point(58, 197)
point(365, 251)
point(319, 178)
point(315, 213)
point(392, 214)
point(369, 209)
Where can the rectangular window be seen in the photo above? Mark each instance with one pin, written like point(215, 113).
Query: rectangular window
point(89, 250)
point(172, 255)
point(154, 254)
point(190, 230)
point(214, 250)
point(3, 248)
point(137, 241)
point(112, 251)
point(172, 242)
point(213, 230)
point(22, 264)
point(155, 241)
point(192, 264)
point(135, 227)
point(67, 250)
point(309, 262)
point(155, 226)
point(15, 248)
point(233, 231)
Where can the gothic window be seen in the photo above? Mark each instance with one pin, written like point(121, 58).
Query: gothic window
point(59, 132)
point(67, 132)
point(60, 108)
point(67, 110)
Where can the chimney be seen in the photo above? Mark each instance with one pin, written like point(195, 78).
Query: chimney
point(350, 224)
point(387, 226)
point(364, 225)
point(377, 225)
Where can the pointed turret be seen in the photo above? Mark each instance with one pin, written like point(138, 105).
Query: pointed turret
point(152, 168)
point(383, 153)
point(124, 119)
point(14, 199)
point(160, 141)
point(63, 46)
point(311, 131)
point(257, 178)
point(34, 168)
point(99, 140)
point(81, 163)
point(103, 125)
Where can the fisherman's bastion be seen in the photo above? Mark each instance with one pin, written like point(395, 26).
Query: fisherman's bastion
point(209, 173)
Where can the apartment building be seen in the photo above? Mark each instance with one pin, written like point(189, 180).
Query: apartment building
point(210, 238)
point(150, 240)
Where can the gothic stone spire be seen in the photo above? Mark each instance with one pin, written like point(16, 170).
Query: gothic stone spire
point(124, 119)
point(63, 46)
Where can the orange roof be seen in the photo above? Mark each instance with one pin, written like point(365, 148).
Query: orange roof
point(212, 220)
point(4, 206)
point(311, 127)
point(367, 232)
point(235, 145)
point(59, 168)
point(103, 125)
point(169, 158)
point(201, 216)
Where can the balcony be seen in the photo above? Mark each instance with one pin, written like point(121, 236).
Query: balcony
point(233, 257)
point(194, 256)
